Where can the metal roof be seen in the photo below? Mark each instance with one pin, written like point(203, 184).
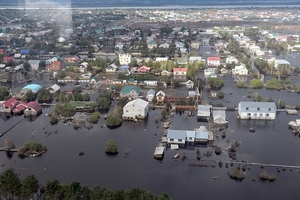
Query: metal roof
point(138, 102)
point(258, 107)
point(176, 134)
point(202, 135)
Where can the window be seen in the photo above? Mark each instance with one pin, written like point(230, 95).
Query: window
point(171, 139)
point(127, 110)
point(269, 109)
point(260, 115)
point(179, 140)
point(248, 114)
point(255, 114)
point(258, 108)
point(247, 108)
point(267, 115)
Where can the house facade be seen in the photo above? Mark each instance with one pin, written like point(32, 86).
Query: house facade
point(213, 61)
point(150, 95)
point(257, 110)
point(179, 73)
point(186, 137)
point(111, 68)
point(240, 70)
point(160, 96)
point(124, 59)
point(135, 109)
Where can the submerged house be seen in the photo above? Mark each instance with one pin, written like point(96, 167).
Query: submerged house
point(219, 119)
point(135, 109)
point(204, 112)
point(187, 137)
point(32, 109)
point(257, 110)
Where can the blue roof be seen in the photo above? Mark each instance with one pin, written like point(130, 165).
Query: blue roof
point(25, 51)
point(42, 51)
point(124, 67)
point(34, 87)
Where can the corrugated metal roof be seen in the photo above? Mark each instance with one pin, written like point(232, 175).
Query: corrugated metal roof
point(176, 134)
point(34, 87)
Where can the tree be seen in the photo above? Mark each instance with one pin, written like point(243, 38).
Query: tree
point(215, 83)
point(94, 117)
point(4, 93)
point(8, 144)
point(255, 83)
point(10, 184)
point(220, 94)
point(29, 96)
point(281, 104)
point(42, 65)
point(51, 189)
point(111, 147)
point(26, 66)
point(30, 185)
point(61, 74)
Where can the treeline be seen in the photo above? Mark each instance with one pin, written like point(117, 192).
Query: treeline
point(11, 187)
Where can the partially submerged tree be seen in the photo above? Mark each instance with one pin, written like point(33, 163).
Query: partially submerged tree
point(111, 147)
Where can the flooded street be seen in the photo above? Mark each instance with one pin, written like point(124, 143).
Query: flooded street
point(271, 143)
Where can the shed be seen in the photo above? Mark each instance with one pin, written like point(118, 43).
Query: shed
point(54, 88)
point(159, 152)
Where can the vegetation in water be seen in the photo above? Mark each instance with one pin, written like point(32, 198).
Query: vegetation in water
point(111, 147)
point(236, 173)
point(31, 148)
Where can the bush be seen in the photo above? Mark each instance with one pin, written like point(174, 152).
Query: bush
point(111, 147)
point(218, 150)
point(266, 176)
point(94, 118)
point(220, 94)
point(236, 174)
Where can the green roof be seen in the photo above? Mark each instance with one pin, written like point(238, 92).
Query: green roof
point(131, 80)
point(81, 104)
point(127, 89)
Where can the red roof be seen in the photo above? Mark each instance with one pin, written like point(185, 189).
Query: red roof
point(11, 103)
point(20, 107)
point(179, 69)
point(1, 51)
point(6, 59)
point(213, 58)
point(144, 68)
point(34, 105)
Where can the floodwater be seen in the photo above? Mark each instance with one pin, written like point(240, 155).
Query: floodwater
point(272, 143)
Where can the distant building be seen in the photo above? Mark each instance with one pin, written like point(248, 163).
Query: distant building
point(130, 92)
point(34, 64)
point(160, 96)
point(281, 63)
point(257, 110)
point(150, 95)
point(135, 109)
point(213, 61)
point(240, 70)
point(124, 59)
point(32, 87)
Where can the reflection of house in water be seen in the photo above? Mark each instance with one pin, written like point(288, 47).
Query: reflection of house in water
point(240, 78)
